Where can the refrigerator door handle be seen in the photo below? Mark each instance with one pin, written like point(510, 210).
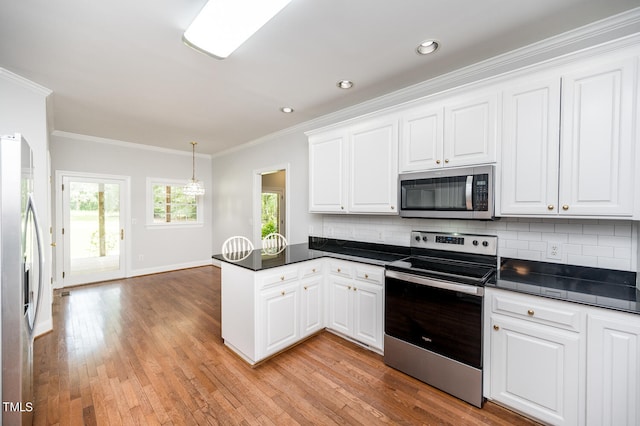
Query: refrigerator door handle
point(31, 210)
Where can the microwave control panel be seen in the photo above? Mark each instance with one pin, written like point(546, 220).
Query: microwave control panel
point(481, 192)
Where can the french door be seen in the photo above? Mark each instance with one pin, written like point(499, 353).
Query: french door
point(93, 228)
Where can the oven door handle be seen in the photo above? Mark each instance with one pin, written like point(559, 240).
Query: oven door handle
point(430, 282)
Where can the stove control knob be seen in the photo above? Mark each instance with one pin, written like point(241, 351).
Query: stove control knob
point(485, 244)
point(424, 238)
point(417, 238)
point(475, 242)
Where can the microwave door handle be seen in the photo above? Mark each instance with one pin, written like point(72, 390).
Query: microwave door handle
point(469, 192)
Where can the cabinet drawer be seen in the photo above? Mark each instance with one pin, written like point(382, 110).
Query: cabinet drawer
point(278, 277)
point(310, 269)
point(532, 308)
point(371, 275)
point(340, 268)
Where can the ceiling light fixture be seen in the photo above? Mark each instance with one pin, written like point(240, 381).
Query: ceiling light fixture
point(287, 110)
point(194, 187)
point(427, 46)
point(345, 84)
point(223, 25)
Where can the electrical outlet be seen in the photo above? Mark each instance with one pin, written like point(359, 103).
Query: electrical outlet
point(554, 250)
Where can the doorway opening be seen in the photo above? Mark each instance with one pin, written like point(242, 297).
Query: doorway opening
point(271, 200)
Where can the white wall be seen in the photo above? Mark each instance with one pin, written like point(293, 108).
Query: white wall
point(153, 249)
point(233, 187)
point(23, 109)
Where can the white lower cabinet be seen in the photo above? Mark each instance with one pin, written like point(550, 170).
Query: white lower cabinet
point(355, 302)
point(537, 357)
point(613, 368)
point(265, 312)
point(562, 363)
point(312, 303)
point(268, 311)
point(278, 313)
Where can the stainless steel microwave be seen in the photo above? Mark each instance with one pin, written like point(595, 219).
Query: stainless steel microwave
point(457, 193)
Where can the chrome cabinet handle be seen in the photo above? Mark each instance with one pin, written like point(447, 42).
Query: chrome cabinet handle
point(565, 207)
point(530, 312)
point(551, 207)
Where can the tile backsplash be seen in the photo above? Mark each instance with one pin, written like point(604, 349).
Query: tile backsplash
point(608, 244)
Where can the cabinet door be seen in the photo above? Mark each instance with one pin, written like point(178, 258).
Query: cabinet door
point(470, 130)
point(373, 160)
point(535, 369)
point(311, 296)
point(421, 139)
point(340, 305)
point(596, 156)
point(530, 144)
point(613, 369)
point(279, 314)
point(327, 172)
point(367, 312)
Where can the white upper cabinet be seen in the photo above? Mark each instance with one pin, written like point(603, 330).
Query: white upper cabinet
point(373, 160)
point(567, 143)
point(470, 134)
point(354, 169)
point(422, 138)
point(530, 147)
point(596, 150)
point(327, 172)
point(452, 132)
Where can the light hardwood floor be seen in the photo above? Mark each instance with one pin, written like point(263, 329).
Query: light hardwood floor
point(148, 350)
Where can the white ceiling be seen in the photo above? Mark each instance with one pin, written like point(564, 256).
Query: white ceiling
point(119, 69)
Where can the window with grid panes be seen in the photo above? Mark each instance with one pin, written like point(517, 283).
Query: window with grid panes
point(172, 206)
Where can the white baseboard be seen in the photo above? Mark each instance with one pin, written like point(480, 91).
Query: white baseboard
point(168, 268)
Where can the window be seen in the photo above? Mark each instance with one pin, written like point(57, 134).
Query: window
point(170, 206)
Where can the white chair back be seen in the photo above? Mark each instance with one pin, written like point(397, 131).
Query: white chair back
point(237, 248)
point(274, 243)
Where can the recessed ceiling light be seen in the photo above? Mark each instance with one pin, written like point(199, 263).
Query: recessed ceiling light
point(345, 84)
point(286, 110)
point(427, 46)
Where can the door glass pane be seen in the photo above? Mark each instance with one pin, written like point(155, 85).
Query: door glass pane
point(94, 213)
point(270, 213)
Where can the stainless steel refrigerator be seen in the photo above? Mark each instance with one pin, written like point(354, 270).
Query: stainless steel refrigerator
point(21, 269)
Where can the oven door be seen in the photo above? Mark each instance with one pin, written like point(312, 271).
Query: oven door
point(439, 316)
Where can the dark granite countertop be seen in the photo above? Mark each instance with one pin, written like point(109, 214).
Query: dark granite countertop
point(371, 253)
point(604, 288)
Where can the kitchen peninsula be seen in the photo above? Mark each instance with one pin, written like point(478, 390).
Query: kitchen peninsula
point(273, 301)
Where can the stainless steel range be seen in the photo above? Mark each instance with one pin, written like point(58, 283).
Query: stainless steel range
point(433, 310)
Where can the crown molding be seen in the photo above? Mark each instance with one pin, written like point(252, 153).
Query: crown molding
point(27, 84)
point(130, 145)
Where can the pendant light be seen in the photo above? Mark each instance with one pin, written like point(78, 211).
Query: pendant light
point(194, 187)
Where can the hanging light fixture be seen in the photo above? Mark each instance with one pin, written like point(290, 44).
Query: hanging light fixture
point(194, 187)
